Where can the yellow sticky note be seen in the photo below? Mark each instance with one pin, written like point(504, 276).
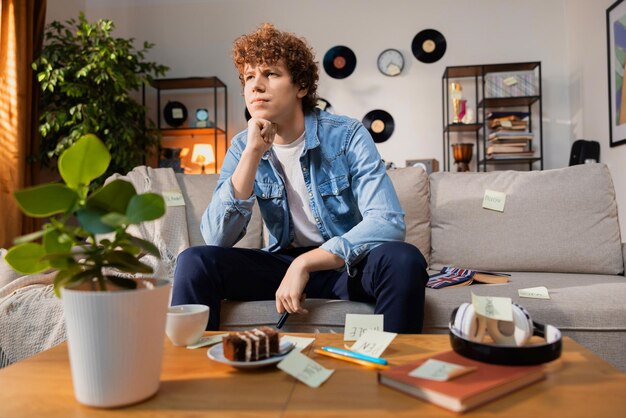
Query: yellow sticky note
point(540, 292)
point(304, 369)
point(493, 307)
point(440, 371)
point(373, 343)
point(494, 200)
point(173, 198)
point(506, 124)
point(300, 343)
point(357, 324)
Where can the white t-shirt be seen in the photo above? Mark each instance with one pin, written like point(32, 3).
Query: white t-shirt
point(306, 233)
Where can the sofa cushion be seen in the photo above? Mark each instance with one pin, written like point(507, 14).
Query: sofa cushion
point(562, 220)
point(198, 190)
point(411, 184)
point(325, 315)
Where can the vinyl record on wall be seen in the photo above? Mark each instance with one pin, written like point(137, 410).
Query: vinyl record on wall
point(429, 46)
point(339, 62)
point(380, 124)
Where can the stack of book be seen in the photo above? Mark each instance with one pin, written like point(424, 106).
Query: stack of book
point(509, 137)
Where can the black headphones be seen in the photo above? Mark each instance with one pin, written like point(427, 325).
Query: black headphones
point(467, 330)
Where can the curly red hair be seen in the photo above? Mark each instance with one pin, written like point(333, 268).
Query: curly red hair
point(268, 45)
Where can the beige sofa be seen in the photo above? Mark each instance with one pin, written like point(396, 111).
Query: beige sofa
point(559, 229)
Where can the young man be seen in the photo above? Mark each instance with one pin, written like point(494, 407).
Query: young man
point(335, 223)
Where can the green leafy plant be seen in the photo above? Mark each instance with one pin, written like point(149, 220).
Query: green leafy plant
point(87, 77)
point(74, 250)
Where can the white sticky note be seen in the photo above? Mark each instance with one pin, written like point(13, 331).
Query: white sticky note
point(173, 198)
point(357, 324)
point(304, 369)
point(207, 340)
point(300, 343)
point(494, 200)
point(510, 81)
point(373, 343)
point(493, 307)
point(540, 292)
point(440, 371)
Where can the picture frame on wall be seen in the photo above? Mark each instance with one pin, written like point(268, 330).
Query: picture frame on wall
point(616, 50)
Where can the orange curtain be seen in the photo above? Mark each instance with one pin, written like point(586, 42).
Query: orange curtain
point(21, 33)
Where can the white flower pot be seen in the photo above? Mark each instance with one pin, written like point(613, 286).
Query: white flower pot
point(115, 343)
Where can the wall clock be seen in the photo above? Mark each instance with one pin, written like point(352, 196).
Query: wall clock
point(391, 62)
point(202, 118)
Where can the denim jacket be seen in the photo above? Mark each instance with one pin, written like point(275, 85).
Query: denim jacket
point(352, 199)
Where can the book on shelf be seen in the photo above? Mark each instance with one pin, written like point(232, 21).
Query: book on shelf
point(454, 276)
point(511, 141)
point(486, 383)
point(510, 155)
point(510, 125)
point(509, 149)
point(511, 135)
point(508, 115)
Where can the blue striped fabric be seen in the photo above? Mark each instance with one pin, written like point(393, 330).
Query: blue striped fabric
point(449, 276)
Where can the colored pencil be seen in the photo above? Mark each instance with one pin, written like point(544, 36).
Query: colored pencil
point(350, 359)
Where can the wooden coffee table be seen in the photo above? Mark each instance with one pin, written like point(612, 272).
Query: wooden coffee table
point(578, 384)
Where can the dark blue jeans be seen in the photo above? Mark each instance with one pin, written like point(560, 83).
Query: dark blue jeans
point(392, 276)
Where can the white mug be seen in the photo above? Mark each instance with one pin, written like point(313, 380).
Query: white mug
point(186, 323)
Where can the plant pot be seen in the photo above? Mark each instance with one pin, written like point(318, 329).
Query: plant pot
point(115, 342)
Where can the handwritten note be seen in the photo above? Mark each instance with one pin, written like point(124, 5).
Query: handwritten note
point(173, 198)
point(493, 307)
point(373, 343)
point(357, 324)
point(304, 369)
point(440, 371)
point(540, 292)
point(300, 342)
point(207, 340)
point(494, 200)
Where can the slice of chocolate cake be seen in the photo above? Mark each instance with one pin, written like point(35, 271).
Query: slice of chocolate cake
point(253, 345)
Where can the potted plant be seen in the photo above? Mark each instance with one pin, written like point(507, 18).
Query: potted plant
point(87, 79)
point(115, 325)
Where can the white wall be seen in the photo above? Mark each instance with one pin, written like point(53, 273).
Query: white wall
point(586, 21)
point(194, 37)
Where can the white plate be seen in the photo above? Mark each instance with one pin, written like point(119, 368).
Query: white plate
point(217, 353)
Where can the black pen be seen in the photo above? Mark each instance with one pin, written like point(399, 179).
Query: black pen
point(282, 320)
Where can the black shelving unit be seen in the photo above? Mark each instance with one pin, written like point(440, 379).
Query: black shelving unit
point(476, 74)
point(218, 109)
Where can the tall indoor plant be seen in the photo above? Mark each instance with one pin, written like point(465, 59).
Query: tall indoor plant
point(87, 80)
point(115, 324)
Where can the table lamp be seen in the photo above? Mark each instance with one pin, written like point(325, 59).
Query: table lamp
point(202, 154)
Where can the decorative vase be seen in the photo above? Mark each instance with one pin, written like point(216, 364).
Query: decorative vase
point(115, 342)
point(462, 154)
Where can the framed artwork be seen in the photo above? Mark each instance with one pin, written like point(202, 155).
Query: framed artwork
point(616, 43)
